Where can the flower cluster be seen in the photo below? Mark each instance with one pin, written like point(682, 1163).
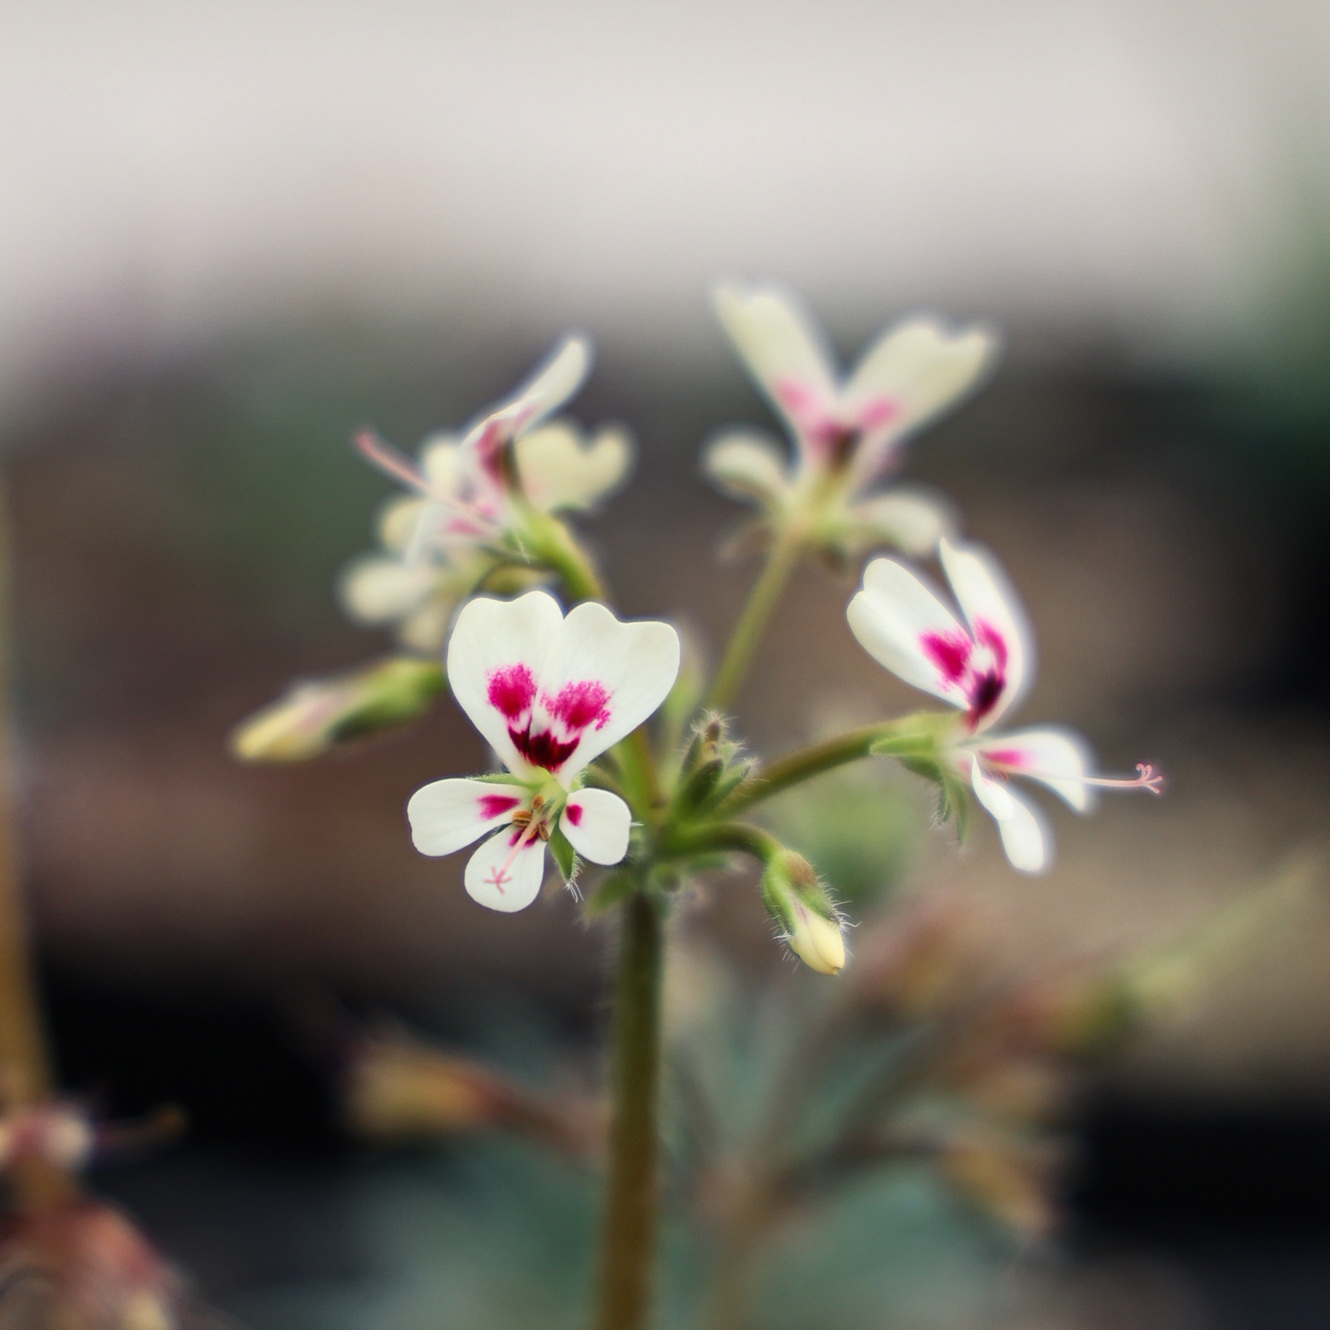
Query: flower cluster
point(564, 699)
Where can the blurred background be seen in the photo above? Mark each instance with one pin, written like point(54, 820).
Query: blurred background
point(233, 233)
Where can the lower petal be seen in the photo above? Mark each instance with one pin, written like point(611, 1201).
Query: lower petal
point(445, 815)
point(505, 873)
point(746, 465)
point(1027, 845)
point(379, 590)
point(910, 520)
point(597, 823)
point(1058, 758)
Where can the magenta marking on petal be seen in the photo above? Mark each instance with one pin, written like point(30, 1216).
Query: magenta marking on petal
point(511, 691)
point(580, 705)
point(984, 693)
point(574, 814)
point(988, 636)
point(950, 652)
point(496, 805)
point(1006, 757)
point(878, 411)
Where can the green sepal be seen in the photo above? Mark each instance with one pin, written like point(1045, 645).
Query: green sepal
point(564, 854)
point(954, 802)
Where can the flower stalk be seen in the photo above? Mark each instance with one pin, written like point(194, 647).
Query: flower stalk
point(628, 1243)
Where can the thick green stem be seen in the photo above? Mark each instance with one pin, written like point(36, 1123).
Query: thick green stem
point(628, 1244)
point(804, 763)
point(748, 632)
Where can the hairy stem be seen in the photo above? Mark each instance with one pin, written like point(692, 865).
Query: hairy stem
point(762, 601)
point(628, 1242)
point(805, 763)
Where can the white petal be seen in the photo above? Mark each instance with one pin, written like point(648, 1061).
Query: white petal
point(493, 637)
point(426, 629)
point(780, 345)
point(911, 519)
point(747, 465)
point(398, 520)
point(990, 605)
point(892, 614)
point(445, 815)
point(376, 589)
point(597, 823)
point(1027, 845)
point(631, 665)
point(439, 462)
point(504, 875)
point(921, 366)
point(551, 385)
point(560, 469)
point(1058, 758)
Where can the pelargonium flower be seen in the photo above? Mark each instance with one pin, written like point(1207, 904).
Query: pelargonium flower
point(981, 662)
point(466, 512)
point(848, 431)
point(550, 693)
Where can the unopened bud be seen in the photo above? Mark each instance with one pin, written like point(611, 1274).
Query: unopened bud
point(799, 904)
point(316, 714)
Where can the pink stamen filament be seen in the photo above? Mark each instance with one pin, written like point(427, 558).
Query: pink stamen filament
point(391, 462)
point(1146, 778)
point(500, 875)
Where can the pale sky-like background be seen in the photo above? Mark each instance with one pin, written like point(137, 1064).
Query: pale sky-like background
point(177, 171)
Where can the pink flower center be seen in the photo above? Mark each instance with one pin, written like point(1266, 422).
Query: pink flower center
point(547, 740)
point(976, 666)
point(832, 433)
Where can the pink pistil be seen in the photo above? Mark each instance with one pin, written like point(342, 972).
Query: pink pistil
point(498, 876)
point(391, 462)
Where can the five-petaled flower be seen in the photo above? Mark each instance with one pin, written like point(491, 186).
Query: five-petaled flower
point(471, 492)
point(982, 663)
point(848, 431)
point(550, 693)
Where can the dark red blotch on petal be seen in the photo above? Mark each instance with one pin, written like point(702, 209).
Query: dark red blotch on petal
point(544, 748)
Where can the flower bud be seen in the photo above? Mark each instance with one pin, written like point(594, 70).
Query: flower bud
point(803, 911)
point(316, 714)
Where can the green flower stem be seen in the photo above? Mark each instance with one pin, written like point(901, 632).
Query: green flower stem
point(805, 763)
point(762, 602)
point(711, 837)
point(628, 1243)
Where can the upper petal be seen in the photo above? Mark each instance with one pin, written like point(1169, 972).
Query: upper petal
point(445, 815)
point(561, 469)
point(912, 519)
point(780, 345)
point(920, 367)
point(440, 462)
point(505, 872)
point(495, 657)
point(543, 394)
point(1058, 758)
point(597, 824)
point(995, 617)
point(601, 679)
point(894, 617)
point(1024, 840)
point(747, 465)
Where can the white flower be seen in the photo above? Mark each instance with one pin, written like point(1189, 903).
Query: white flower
point(550, 693)
point(981, 662)
point(845, 429)
point(445, 538)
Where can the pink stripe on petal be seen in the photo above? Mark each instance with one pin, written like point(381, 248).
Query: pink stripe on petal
point(579, 705)
point(495, 805)
point(573, 812)
point(950, 652)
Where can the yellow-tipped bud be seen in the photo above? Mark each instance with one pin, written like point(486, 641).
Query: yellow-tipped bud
point(817, 941)
point(314, 715)
point(799, 904)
